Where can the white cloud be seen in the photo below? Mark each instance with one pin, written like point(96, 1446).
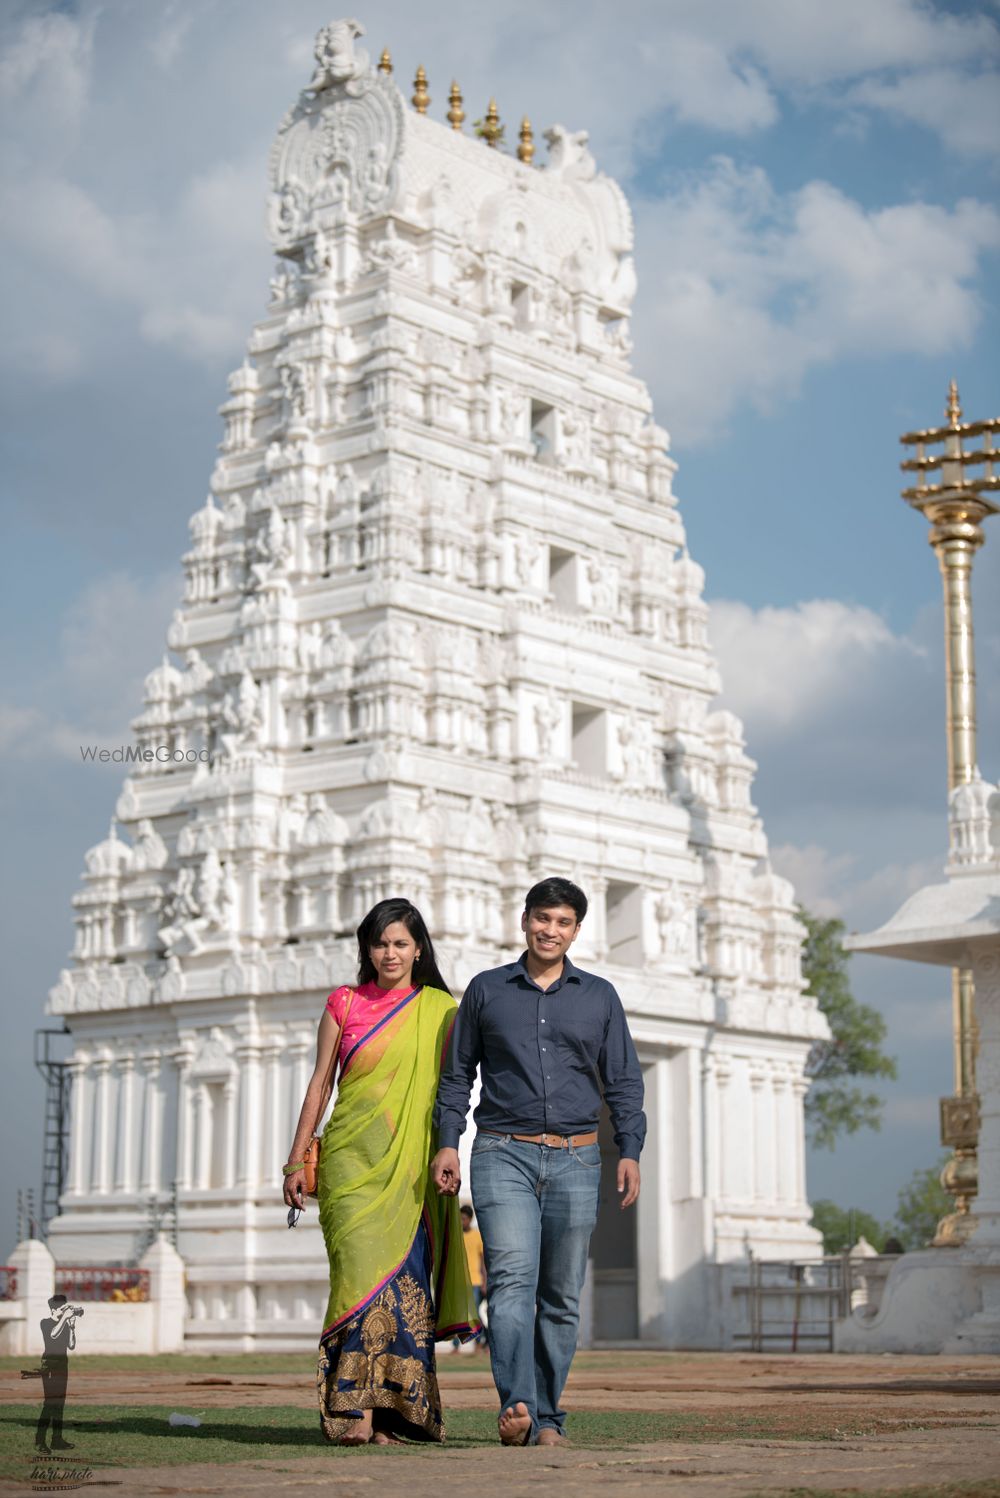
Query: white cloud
point(744, 290)
point(110, 637)
point(816, 873)
point(782, 667)
point(836, 883)
point(961, 106)
point(45, 66)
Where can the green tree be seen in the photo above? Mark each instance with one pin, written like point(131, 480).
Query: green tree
point(843, 1226)
point(835, 1103)
point(922, 1203)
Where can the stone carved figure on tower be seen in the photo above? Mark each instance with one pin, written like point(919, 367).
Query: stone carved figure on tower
point(630, 744)
point(673, 911)
point(337, 652)
point(603, 586)
point(337, 58)
point(242, 712)
point(149, 851)
point(548, 719)
point(574, 444)
point(179, 908)
point(200, 905)
point(198, 673)
point(295, 390)
point(274, 549)
point(568, 153)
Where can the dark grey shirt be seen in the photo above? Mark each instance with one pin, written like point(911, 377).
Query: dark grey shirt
point(546, 1056)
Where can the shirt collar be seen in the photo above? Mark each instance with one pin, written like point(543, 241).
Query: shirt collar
point(519, 969)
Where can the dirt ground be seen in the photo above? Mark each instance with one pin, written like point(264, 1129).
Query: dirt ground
point(864, 1425)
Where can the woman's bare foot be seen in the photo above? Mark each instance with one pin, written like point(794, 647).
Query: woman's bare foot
point(515, 1426)
point(360, 1433)
point(383, 1438)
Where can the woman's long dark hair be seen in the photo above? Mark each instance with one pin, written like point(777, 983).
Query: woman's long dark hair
point(426, 972)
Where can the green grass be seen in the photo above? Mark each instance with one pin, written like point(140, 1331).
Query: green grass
point(140, 1436)
point(130, 1437)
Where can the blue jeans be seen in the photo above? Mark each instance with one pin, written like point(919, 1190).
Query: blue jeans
point(536, 1208)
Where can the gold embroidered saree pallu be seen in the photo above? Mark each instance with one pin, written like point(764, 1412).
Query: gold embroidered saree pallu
point(398, 1273)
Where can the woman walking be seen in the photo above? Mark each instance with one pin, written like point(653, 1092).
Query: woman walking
point(398, 1273)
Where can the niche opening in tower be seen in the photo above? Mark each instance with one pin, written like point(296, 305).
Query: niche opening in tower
point(543, 431)
point(623, 922)
point(590, 739)
point(520, 304)
point(563, 578)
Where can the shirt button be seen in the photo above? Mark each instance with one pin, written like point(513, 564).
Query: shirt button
point(543, 1022)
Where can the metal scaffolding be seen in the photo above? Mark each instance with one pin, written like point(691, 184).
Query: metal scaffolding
point(55, 1139)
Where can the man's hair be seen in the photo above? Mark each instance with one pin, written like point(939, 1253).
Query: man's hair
point(549, 892)
point(55, 1301)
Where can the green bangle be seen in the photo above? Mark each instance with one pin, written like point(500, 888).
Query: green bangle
point(289, 1170)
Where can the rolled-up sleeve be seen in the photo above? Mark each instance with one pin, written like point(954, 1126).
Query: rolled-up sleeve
point(621, 1077)
point(459, 1071)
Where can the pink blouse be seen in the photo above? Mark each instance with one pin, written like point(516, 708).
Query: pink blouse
point(369, 1005)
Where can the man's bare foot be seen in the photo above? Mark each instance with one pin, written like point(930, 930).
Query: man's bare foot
point(549, 1436)
point(515, 1426)
point(360, 1433)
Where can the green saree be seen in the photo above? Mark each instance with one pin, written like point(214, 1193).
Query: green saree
point(398, 1273)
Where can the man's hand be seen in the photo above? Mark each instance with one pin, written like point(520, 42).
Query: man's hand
point(446, 1172)
point(628, 1181)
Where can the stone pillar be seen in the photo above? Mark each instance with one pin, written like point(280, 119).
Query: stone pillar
point(800, 1086)
point(274, 1144)
point(298, 1050)
point(202, 1131)
point(713, 1131)
point(166, 1295)
point(784, 1137)
point(227, 1144)
point(182, 1174)
point(125, 1144)
point(149, 1170)
point(653, 1238)
point(986, 977)
point(100, 1165)
point(249, 1169)
point(78, 1104)
point(36, 1280)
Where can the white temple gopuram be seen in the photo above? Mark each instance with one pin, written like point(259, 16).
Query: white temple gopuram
point(441, 636)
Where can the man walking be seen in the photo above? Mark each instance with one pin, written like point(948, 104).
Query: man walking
point(548, 1039)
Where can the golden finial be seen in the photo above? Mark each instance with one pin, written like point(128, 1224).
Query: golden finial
point(953, 410)
point(421, 98)
point(526, 149)
point(385, 61)
point(492, 130)
point(456, 114)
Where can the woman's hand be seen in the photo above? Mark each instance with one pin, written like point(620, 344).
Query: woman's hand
point(295, 1189)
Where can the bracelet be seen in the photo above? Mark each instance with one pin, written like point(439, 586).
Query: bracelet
point(289, 1170)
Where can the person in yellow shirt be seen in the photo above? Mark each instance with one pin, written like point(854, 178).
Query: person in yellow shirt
point(472, 1239)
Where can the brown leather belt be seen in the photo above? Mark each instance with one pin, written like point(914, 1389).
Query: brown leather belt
point(551, 1141)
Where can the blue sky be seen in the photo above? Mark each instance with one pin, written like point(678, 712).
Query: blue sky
point(814, 189)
